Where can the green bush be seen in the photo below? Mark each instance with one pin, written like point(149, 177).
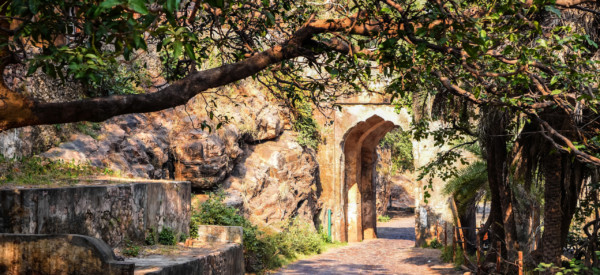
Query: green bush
point(262, 251)
point(383, 218)
point(167, 236)
point(447, 254)
point(435, 244)
point(151, 237)
point(130, 249)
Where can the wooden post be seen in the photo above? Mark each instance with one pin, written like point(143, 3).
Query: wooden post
point(498, 256)
point(460, 231)
point(520, 262)
point(454, 245)
point(478, 255)
point(445, 234)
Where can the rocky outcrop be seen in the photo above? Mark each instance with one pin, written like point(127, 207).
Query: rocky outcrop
point(275, 181)
point(182, 143)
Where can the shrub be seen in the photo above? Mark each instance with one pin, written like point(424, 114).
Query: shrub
point(262, 250)
point(151, 237)
point(435, 244)
point(130, 249)
point(447, 254)
point(167, 236)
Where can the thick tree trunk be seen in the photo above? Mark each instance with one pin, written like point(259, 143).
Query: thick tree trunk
point(551, 239)
point(468, 220)
point(502, 216)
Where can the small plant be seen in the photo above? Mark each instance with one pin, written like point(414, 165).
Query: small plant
point(130, 249)
point(435, 244)
point(182, 237)
point(447, 254)
point(151, 237)
point(306, 126)
point(167, 236)
point(89, 128)
point(383, 218)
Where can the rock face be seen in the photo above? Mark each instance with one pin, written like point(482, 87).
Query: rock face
point(275, 181)
point(171, 144)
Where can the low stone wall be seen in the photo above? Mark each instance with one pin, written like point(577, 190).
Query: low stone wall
point(222, 234)
point(58, 254)
point(111, 212)
point(221, 258)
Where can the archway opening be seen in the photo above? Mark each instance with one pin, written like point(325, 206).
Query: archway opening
point(360, 144)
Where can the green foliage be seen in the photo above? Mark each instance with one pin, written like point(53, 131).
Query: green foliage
point(183, 237)
point(262, 250)
point(574, 267)
point(400, 142)
point(167, 236)
point(385, 218)
point(151, 236)
point(130, 249)
point(115, 79)
point(38, 171)
point(467, 184)
point(435, 243)
point(447, 254)
point(89, 128)
point(306, 126)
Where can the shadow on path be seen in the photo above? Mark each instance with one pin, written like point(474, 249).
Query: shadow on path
point(392, 253)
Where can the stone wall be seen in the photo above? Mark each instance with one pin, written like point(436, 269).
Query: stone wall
point(111, 212)
point(225, 259)
point(58, 254)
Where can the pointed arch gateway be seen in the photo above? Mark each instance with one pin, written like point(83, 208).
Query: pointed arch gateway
point(359, 145)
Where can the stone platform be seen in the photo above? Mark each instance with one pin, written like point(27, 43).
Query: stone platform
point(218, 258)
point(110, 210)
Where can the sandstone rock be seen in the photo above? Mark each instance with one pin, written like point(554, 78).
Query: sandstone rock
point(275, 181)
point(268, 124)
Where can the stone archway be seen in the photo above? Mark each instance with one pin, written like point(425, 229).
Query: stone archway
point(359, 145)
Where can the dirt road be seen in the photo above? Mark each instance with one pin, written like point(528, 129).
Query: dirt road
point(392, 253)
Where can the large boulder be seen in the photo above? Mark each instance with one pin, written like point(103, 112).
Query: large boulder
point(275, 181)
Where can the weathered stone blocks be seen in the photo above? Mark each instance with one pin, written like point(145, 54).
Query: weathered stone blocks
point(223, 234)
point(58, 254)
point(111, 212)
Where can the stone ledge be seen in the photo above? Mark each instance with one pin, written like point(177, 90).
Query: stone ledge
point(218, 258)
point(220, 234)
point(58, 254)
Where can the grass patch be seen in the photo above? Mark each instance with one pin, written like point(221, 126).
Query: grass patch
point(264, 248)
point(384, 218)
point(38, 171)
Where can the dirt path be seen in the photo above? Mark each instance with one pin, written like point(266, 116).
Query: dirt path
point(392, 253)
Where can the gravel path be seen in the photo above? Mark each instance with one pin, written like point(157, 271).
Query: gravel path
point(392, 253)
